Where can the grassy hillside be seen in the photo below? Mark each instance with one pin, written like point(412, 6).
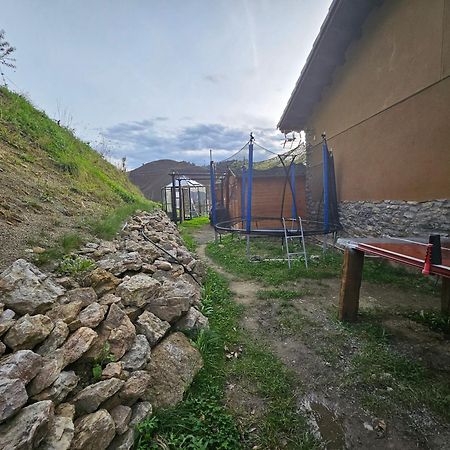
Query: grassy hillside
point(54, 186)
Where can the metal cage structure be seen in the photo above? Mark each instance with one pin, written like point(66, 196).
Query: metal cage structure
point(185, 198)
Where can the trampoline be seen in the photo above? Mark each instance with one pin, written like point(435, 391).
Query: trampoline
point(256, 190)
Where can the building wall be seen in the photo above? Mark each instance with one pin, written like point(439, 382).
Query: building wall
point(387, 111)
point(267, 197)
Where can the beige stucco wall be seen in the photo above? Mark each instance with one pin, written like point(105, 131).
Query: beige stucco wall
point(387, 111)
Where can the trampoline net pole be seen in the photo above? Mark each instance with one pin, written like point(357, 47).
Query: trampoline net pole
point(249, 187)
point(213, 192)
point(326, 212)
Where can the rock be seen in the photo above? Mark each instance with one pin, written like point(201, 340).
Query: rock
point(90, 398)
point(123, 441)
point(102, 281)
point(27, 428)
point(118, 263)
point(55, 339)
point(78, 343)
point(58, 391)
point(172, 367)
point(133, 312)
point(13, 396)
point(60, 434)
point(86, 295)
point(90, 316)
point(109, 299)
point(65, 410)
point(26, 290)
point(104, 248)
point(67, 282)
point(23, 365)
point(28, 331)
point(122, 331)
point(139, 354)
point(49, 371)
point(6, 320)
point(140, 412)
point(152, 327)
point(169, 308)
point(94, 431)
point(66, 312)
point(133, 390)
point(193, 320)
point(148, 268)
point(116, 332)
point(75, 346)
point(138, 290)
point(112, 370)
point(121, 415)
point(2, 348)
point(38, 250)
point(163, 265)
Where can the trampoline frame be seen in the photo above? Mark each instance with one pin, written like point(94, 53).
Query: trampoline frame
point(329, 224)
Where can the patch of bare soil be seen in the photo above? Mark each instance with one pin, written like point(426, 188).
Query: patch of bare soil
point(336, 413)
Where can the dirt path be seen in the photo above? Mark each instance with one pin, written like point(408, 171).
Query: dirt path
point(334, 413)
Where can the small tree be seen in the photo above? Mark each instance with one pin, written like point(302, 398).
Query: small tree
point(6, 50)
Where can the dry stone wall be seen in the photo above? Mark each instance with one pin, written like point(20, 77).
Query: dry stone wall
point(82, 361)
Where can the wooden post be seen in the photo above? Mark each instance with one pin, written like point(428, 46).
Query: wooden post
point(350, 285)
point(445, 296)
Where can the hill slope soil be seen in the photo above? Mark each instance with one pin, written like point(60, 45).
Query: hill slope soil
point(302, 333)
point(52, 185)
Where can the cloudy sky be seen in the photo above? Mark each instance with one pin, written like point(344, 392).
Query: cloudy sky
point(153, 79)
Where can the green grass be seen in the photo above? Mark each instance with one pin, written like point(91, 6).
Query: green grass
point(66, 244)
point(202, 421)
point(389, 378)
point(111, 223)
point(187, 228)
point(230, 253)
point(31, 132)
point(266, 294)
point(104, 228)
point(434, 320)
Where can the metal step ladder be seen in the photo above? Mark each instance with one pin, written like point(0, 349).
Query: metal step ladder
point(296, 225)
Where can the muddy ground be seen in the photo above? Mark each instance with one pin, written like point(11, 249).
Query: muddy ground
point(320, 358)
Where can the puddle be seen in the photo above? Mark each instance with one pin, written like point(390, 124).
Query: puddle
point(326, 425)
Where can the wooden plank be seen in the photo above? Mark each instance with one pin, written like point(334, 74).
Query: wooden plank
point(445, 296)
point(350, 285)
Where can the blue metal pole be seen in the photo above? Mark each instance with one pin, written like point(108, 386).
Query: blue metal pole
point(244, 174)
point(249, 186)
point(213, 192)
point(326, 203)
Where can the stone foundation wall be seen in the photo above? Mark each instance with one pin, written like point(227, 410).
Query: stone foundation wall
point(86, 358)
point(395, 218)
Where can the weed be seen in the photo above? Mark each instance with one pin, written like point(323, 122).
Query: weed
point(75, 264)
point(434, 320)
point(63, 246)
point(102, 360)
